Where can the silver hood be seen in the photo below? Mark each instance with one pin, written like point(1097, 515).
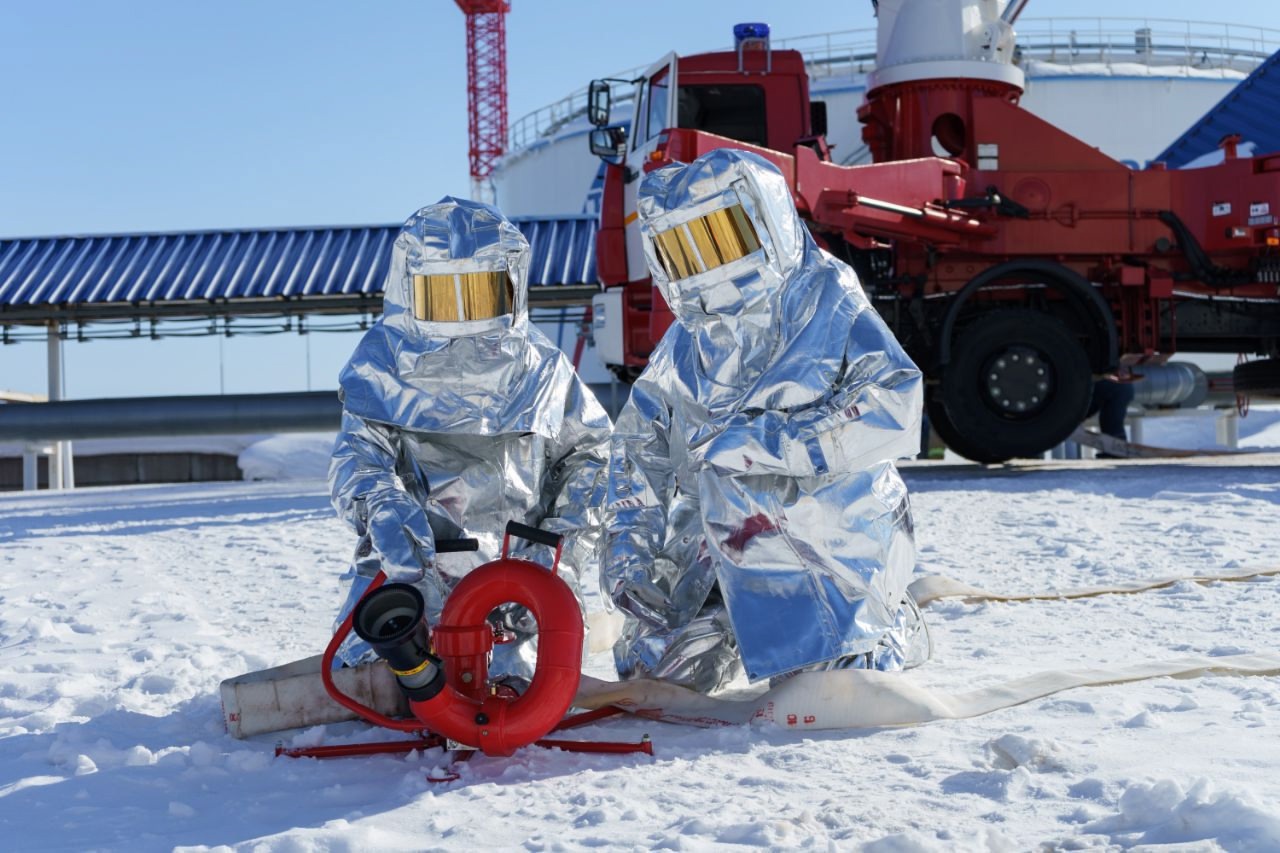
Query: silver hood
point(452, 429)
point(751, 478)
point(488, 376)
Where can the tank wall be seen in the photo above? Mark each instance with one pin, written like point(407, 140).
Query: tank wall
point(1130, 118)
point(553, 177)
point(844, 132)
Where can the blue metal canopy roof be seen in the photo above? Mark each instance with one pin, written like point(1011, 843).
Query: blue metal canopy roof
point(306, 269)
point(1251, 109)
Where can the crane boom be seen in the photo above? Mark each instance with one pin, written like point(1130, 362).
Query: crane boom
point(486, 89)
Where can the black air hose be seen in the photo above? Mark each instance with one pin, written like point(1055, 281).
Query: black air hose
point(1201, 266)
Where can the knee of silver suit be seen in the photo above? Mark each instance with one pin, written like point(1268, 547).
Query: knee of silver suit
point(701, 655)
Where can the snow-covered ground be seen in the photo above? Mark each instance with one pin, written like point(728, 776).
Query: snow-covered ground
point(122, 609)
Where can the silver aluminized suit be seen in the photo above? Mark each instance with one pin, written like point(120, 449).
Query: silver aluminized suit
point(754, 516)
point(452, 429)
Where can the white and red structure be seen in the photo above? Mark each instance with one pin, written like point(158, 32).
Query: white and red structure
point(1014, 261)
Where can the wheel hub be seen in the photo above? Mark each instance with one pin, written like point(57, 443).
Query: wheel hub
point(1018, 381)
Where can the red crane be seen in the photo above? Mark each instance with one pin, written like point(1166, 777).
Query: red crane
point(486, 88)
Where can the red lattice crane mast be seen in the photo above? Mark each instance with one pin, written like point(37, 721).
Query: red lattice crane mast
point(486, 88)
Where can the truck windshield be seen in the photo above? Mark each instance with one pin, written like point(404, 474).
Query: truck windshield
point(735, 111)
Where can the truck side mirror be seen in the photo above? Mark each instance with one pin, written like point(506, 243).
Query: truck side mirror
point(609, 143)
point(818, 118)
point(599, 100)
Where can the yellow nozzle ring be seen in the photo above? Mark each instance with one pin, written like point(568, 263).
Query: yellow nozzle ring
point(417, 669)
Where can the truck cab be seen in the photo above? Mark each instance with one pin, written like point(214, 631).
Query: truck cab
point(753, 95)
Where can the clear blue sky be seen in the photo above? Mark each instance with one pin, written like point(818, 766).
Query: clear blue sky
point(133, 116)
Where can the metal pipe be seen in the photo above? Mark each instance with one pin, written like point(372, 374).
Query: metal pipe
point(130, 417)
point(890, 207)
point(1178, 383)
point(557, 296)
point(214, 414)
point(1013, 10)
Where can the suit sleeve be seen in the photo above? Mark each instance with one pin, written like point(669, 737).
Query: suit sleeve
point(369, 496)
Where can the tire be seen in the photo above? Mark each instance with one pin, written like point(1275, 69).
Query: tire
point(1258, 377)
point(940, 423)
point(1018, 384)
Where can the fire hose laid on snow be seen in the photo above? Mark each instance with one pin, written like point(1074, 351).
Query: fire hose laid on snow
point(811, 701)
point(859, 699)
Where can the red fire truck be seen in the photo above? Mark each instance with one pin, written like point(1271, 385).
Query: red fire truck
point(1015, 263)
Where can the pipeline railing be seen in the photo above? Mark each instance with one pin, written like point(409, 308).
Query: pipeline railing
point(1151, 42)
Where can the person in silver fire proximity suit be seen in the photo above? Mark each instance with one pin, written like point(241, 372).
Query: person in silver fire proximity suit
point(754, 517)
point(459, 416)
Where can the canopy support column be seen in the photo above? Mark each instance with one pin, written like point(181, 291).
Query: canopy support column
point(61, 465)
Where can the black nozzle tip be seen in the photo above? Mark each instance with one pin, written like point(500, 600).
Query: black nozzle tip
point(389, 614)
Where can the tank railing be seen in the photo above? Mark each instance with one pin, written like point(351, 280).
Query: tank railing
point(834, 54)
point(1153, 42)
point(547, 120)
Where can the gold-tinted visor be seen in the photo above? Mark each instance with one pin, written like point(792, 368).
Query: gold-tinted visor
point(706, 242)
point(454, 297)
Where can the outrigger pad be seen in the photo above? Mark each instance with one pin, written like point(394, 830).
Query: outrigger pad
point(293, 696)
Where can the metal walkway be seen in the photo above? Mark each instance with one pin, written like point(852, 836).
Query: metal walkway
point(266, 272)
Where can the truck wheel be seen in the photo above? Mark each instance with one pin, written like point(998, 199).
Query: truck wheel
point(1018, 384)
point(940, 422)
point(1258, 377)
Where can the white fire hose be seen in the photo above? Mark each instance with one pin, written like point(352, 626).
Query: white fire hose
point(292, 696)
point(854, 699)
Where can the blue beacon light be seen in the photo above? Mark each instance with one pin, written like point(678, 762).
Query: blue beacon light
point(741, 32)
